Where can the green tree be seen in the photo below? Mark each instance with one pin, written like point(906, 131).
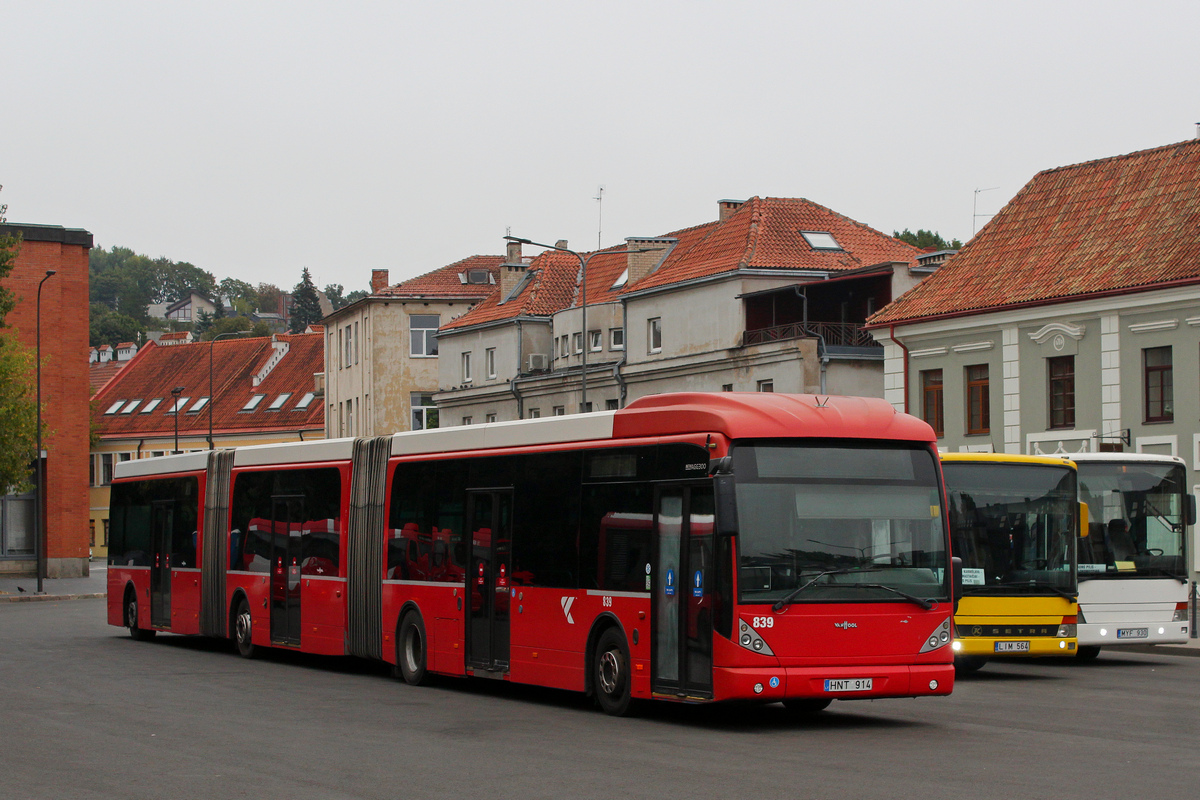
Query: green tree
point(927, 240)
point(110, 327)
point(306, 305)
point(204, 321)
point(268, 298)
point(18, 400)
point(336, 294)
point(226, 325)
point(356, 295)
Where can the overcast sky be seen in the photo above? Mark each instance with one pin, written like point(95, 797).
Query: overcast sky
point(253, 139)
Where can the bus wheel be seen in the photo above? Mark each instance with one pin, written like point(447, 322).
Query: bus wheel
point(131, 619)
point(410, 650)
point(965, 665)
point(243, 630)
point(808, 705)
point(1087, 652)
point(610, 674)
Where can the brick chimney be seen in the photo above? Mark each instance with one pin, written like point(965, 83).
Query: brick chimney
point(379, 280)
point(512, 253)
point(641, 264)
point(511, 272)
point(727, 208)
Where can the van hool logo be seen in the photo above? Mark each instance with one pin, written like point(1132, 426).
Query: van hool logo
point(845, 625)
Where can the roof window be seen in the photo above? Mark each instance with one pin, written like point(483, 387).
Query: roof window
point(304, 401)
point(130, 406)
point(199, 404)
point(278, 402)
point(621, 281)
point(113, 408)
point(153, 404)
point(820, 240)
point(253, 402)
point(179, 404)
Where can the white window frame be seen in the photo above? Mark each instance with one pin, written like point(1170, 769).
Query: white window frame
point(428, 337)
point(253, 402)
point(616, 338)
point(653, 332)
point(489, 362)
point(560, 411)
point(577, 342)
point(466, 366)
point(595, 341)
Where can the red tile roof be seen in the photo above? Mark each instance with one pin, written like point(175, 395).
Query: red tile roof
point(1119, 224)
point(100, 374)
point(155, 370)
point(764, 233)
point(445, 281)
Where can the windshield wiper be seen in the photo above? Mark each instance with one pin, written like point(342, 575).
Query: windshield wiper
point(794, 593)
point(925, 604)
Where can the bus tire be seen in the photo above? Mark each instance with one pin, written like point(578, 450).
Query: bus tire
point(965, 665)
point(412, 650)
point(243, 630)
point(807, 705)
point(611, 674)
point(131, 618)
point(1087, 652)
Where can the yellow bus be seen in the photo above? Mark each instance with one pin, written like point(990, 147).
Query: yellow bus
point(1013, 522)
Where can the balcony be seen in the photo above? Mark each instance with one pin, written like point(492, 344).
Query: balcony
point(836, 334)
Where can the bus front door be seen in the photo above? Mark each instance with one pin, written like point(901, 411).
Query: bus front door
point(287, 514)
point(683, 592)
point(488, 590)
point(162, 522)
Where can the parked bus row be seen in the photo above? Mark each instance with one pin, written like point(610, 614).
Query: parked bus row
point(690, 547)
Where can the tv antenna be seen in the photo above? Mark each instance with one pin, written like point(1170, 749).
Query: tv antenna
point(974, 208)
point(599, 198)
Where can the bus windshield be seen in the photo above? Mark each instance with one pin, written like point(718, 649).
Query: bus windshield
point(1136, 520)
point(1013, 525)
point(836, 523)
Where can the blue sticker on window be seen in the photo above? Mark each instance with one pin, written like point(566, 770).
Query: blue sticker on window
point(698, 584)
point(669, 591)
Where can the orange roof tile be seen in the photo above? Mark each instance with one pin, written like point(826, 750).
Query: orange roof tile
point(155, 370)
point(1118, 224)
point(445, 281)
point(100, 374)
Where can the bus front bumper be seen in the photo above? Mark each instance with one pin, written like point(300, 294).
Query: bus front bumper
point(1101, 634)
point(1014, 646)
point(840, 683)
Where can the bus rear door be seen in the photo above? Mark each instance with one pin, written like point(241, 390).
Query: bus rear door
point(287, 517)
point(162, 523)
point(683, 597)
point(489, 518)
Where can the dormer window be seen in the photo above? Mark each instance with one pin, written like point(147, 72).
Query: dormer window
point(820, 240)
point(253, 402)
point(478, 277)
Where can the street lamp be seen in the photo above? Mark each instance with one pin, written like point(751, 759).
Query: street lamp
point(38, 521)
point(583, 263)
point(211, 399)
point(178, 390)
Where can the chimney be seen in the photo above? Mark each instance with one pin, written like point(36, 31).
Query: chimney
point(379, 280)
point(562, 244)
point(512, 253)
point(645, 253)
point(727, 208)
point(510, 275)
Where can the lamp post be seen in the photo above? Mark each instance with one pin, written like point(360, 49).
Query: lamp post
point(38, 521)
point(211, 399)
point(583, 264)
point(178, 390)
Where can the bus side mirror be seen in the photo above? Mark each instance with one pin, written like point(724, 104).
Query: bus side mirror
point(956, 570)
point(1191, 509)
point(1084, 520)
point(726, 498)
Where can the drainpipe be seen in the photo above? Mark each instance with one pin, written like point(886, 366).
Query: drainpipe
point(822, 352)
point(892, 334)
point(617, 376)
point(513, 385)
point(141, 443)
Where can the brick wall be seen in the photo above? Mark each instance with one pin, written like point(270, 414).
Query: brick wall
point(64, 380)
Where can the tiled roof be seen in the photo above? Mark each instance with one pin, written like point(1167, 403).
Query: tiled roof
point(1115, 225)
point(764, 233)
point(153, 372)
point(100, 374)
point(445, 282)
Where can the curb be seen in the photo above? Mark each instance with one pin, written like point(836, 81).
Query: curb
point(42, 598)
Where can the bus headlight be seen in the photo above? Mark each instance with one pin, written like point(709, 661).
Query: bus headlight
point(749, 639)
point(1067, 631)
point(1181, 613)
point(939, 638)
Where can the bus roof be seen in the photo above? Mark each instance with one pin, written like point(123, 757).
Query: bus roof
point(1006, 458)
point(1116, 458)
point(160, 465)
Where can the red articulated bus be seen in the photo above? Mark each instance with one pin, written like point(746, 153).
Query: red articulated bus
point(690, 547)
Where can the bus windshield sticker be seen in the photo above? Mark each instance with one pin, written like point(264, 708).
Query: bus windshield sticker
point(670, 588)
point(973, 577)
point(698, 584)
point(1091, 568)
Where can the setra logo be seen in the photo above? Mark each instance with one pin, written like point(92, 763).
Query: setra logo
point(845, 625)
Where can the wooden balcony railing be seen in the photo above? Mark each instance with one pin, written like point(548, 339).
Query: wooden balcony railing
point(837, 334)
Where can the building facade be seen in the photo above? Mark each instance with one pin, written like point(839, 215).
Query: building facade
point(772, 296)
point(65, 392)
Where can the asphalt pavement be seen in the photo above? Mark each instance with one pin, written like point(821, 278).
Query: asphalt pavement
point(25, 589)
